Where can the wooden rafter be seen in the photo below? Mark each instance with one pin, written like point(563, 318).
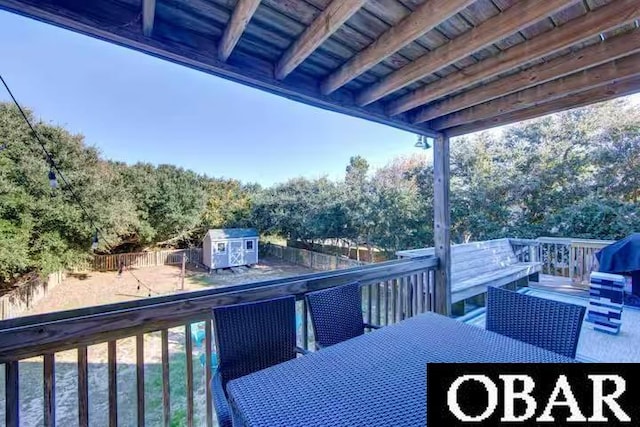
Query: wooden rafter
point(320, 29)
point(601, 20)
point(240, 17)
point(601, 75)
point(516, 17)
point(581, 99)
point(418, 23)
point(591, 56)
point(148, 16)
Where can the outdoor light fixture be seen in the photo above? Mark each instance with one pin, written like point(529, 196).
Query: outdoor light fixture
point(423, 142)
point(53, 181)
point(94, 241)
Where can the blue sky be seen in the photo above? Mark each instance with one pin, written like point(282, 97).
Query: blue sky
point(134, 107)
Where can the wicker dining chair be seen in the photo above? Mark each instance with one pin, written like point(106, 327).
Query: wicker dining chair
point(552, 325)
point(336, 314)
point(250, 337)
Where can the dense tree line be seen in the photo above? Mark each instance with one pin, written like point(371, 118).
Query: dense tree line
point(572, 174)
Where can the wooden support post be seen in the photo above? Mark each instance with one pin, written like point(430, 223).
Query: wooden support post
point(442, 224)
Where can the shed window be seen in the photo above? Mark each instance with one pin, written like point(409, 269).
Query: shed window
point(222, 247)
point(249, 245)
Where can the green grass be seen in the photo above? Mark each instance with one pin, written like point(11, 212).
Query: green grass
point(177, 391)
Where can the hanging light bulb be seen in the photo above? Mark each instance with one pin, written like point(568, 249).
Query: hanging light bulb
point(94, 241)
point(53, 181)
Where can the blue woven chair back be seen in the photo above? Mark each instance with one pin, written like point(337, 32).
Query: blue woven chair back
point(336, 314)
point(552, 325)
point(254, 336)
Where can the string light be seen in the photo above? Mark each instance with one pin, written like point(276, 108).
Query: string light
point(94, 241)
point(54, 181)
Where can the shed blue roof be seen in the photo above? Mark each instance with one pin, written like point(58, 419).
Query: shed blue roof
point(231, 233)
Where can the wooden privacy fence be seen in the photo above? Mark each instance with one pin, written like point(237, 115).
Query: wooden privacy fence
point(567, 257)
point(17, 301)
point(310, 259)
point(391, 292)
point(145, 259)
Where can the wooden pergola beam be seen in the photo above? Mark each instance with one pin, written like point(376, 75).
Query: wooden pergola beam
point(601, 75)
point(591, 56)
point(240, 18)
point(608, 17)
point(148, 16)
point(426, 17)
point(520, 15)
point(332, 18)
point(608, 92)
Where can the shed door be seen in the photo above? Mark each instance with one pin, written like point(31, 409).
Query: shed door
point(236, 253)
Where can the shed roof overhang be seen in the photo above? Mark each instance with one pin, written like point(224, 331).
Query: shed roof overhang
point(429, 67)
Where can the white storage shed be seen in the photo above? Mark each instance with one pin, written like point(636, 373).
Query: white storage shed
point(230, 247)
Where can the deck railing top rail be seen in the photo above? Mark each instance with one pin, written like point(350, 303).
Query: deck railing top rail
point(34, 335)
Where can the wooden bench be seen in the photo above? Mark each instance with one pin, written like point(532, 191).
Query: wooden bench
point(477, 265)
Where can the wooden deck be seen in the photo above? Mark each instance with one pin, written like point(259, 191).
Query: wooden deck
point(560, 284)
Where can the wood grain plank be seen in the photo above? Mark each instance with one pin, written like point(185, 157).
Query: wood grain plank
point(442, 224)
point(113, 383)
point(420, 22)
point(592, 96)
point(166, 397)
point(188, 344)
point(140, 401)
point(331, 18)
point(83, 387)
point(201, 55)
point(617, 13)
point(208, 345)
point(148, 16)
point(49, 390)
point(594, 55)
point(518, 16)
point(240, 17)
point(593, 77)
point(12, 394)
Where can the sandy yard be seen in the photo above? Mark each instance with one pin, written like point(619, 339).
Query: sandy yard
point(97, 288)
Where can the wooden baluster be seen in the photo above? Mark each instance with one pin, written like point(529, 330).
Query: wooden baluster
point(305, 325)
point(378, 312)
point(166, 402)
point(12, 399)
point(49, 390)
point(369, 304)
point(394, 296)
point(189, 355)
point(140, 377)
point(208, 341)
point(416, 295)
point(421, 291)
point(402, 298)
point(386, 302)
point(83, 387)
point(113, 383)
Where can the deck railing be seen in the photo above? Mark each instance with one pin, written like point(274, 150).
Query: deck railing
point(157, 329)
point(567, 257)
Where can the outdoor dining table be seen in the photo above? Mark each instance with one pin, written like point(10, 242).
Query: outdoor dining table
point(377, 379)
